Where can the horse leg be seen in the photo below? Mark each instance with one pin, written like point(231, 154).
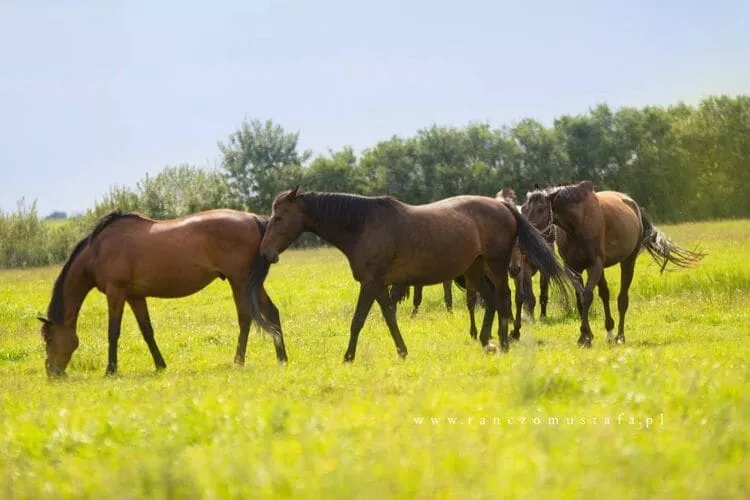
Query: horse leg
point(627, 268)
point(543, 294)
point(528, 294)
point(269, 310)
point(140, 311)
point(115, 304)
point(487, 292)
point(520, 292)
point(595, 272)
point(471, 302)
point(366, 297)
point(502, 303)
point(417, 299)
point(389, 313)
point(448, 295)
point(242, 304)
point(609, 323)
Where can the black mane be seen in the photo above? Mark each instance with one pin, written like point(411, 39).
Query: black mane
point(55, 311)
point(349, 212)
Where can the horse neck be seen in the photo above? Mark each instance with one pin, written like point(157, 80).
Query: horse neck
point(332, 227)
point(76, 287)
point(332, 234)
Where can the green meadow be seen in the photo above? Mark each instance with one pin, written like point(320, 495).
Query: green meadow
point(667, 415)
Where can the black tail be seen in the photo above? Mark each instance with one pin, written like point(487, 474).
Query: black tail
point(538, 252)
point(258, 275)
point(665, 251)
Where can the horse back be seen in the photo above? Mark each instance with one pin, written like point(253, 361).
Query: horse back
point(430, 243)
point(176, 257)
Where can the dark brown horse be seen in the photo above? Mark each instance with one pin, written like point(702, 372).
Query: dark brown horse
point(599, 230)
point(400, 292)
point(129, 257)
point(387, 241)
point(522, 271)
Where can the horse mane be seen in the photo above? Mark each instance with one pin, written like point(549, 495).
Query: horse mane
point(563, 196)
point(536, 196)
point(348, 211)
point(507, 193)
point(55, 311)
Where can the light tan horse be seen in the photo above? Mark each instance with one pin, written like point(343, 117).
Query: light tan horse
point(598, 230)
point(387, 241)
point(129, 257)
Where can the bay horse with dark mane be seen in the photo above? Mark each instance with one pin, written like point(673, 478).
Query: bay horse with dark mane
point(387, 241)
point(129, 257)
point(598, 230)
point(522, 271)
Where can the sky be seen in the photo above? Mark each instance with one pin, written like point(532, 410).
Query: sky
point(97, 93)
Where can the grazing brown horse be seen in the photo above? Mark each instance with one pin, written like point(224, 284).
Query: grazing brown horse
point(387, 241)
point(522, 271)
point(129, 257)
point(400, 292)
point(599, 230)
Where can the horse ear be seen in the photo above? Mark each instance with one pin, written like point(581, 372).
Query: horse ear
point(294, 192)
point(44, 320)
point(536, 187)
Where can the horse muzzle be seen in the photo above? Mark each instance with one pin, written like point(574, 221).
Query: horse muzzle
point(514, 269)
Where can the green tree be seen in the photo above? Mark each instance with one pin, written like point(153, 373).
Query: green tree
point(339, 171)
point(252, 157)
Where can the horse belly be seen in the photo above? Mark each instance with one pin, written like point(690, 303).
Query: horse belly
point(429, 267)
point(172, 282)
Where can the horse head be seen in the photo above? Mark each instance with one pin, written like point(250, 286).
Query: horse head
point(287, 222)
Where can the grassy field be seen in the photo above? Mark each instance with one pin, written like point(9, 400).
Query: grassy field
point(667, 415)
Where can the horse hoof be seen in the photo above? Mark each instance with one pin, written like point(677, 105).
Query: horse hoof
point(490, 348)
point(611, 336)
point(620, 340)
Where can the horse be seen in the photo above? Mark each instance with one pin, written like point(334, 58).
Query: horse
point(400, 292)
point(597, 230)
point(387, 241)
point(522, 271)
point(129, 257)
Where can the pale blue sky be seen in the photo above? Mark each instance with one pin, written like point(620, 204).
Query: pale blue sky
point(94, 93)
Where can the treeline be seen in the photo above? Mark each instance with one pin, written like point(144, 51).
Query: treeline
point(681, 163)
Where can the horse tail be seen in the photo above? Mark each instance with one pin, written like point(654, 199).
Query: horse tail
point(258, 274)
point(536, 249)
point(663, 250)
